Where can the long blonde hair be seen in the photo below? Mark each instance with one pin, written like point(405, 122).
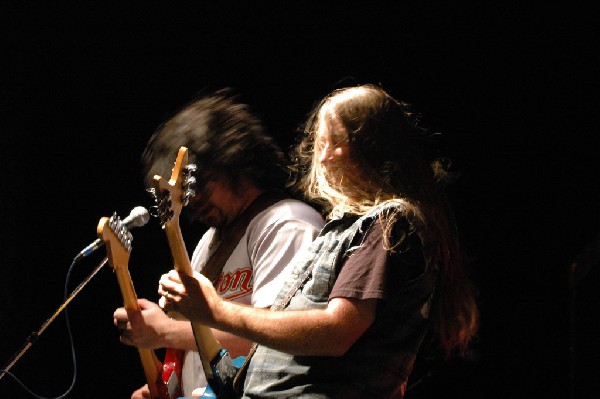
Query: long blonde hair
point(395, 163)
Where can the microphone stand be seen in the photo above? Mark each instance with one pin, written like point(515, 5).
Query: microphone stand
point(35, 335)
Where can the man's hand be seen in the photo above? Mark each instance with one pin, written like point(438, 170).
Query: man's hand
point(145, 328)
point(192, 296)
point(142, 393)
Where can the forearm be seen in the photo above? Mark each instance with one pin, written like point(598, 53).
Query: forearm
point(235, 345)
point(323, 332)
point(179, 335)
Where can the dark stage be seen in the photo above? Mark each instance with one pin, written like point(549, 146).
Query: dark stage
point(513, 90)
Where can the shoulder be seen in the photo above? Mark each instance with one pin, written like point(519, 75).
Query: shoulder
point(289, 210)
point(393, 222)
point(387, 213)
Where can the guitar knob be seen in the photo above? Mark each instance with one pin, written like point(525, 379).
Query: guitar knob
point(189, 182)
point(185, 198)
point(189, 169)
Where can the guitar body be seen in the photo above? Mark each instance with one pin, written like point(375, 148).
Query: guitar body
point(163, 379)
point(210, 394)
point(171, 370)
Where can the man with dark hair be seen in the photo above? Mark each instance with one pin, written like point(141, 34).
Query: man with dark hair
point(237, 165)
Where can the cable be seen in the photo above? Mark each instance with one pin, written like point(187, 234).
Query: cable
point(35, 335)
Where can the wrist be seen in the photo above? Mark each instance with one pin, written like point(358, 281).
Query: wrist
point(174, 333)
point(220, 311)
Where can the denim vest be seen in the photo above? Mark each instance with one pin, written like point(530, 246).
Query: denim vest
point(280, 375)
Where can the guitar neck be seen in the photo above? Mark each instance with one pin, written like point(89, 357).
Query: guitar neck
point(208, 346)
point(150, 363)
point(130, 299)
point(178, 250)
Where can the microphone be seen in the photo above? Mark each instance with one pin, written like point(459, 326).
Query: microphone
point(138, 217)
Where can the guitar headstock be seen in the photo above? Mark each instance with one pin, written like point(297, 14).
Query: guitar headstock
point(117, 238)
point(171, 196)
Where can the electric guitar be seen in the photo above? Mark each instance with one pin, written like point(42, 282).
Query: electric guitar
point(170, 197)
point(163, 379)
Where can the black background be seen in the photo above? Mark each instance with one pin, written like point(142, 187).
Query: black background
point(513, 89)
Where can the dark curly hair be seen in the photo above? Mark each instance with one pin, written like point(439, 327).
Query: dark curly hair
point(222, 137)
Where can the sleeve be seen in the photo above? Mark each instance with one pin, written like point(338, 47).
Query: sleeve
point(372, 270)
point(277, 244)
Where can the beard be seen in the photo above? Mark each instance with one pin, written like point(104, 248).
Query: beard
point(206, 214)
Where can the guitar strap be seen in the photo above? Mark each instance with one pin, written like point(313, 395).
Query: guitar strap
point(231, 235)
point(229, 239)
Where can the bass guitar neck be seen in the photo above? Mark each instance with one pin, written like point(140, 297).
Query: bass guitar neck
point(118, 243)
point(170, 197)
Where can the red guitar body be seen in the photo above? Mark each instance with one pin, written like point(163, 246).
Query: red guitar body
point(171, 373)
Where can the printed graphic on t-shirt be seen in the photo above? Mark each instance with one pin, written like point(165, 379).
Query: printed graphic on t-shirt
point(235, 284)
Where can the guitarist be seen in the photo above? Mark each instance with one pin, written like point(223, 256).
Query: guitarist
point(239, 168)
point(383, 274)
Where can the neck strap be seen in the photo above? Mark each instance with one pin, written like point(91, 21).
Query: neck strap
point(231, 235)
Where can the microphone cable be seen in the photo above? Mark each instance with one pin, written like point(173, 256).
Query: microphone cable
point(35, 335)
